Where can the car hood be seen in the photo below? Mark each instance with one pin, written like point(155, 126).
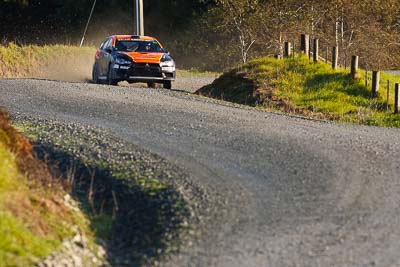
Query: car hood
point(139, 57)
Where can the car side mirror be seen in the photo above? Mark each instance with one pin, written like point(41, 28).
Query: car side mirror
point(167, 52)
point(108, 50)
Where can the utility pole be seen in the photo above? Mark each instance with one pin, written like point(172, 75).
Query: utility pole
point(87, 24)
point(139, 18)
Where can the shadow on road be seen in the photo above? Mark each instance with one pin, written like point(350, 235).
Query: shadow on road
point(134, 225)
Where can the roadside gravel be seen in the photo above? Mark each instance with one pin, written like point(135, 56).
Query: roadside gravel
point(192, 83)
point(280, 190)
point(155, 208)
point(189, 83)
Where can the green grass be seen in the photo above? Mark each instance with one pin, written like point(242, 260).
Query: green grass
point(7, 168)
point(19, 245)
point(298, 86)
point(195, 73)
point(38, 61)
point(33, 219)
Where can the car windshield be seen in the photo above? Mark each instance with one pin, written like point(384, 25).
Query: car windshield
point(138, 46)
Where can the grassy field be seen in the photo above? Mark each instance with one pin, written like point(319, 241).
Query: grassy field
point(297, 86)
point(196, 73)
point(60, 62)
point(33, 217)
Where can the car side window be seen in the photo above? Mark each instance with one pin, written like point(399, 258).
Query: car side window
point(103, 44)
point(106, 44)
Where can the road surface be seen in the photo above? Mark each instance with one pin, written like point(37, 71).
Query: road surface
point(289, 191)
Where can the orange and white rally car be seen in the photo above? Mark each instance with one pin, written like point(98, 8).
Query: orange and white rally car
point(133, 58)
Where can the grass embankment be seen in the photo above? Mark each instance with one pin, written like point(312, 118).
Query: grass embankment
point(129, 195)
point(33, 217)
point(304, 88)
point(61, 62)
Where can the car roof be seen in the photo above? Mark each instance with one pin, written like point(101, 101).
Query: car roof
point(138, 37)
point(133, 37)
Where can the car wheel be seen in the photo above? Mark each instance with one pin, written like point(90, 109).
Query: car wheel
point(95, 74)
point(167, 84)
point(110, 79)
point(151, 85)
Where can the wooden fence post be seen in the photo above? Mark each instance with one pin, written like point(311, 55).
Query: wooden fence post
point(376, 75)
point(294, 50)
point(354, 68)
point(305, 44)
point(335, 55)
point(387, 95)
point(327, 55)
point(396, 99)
point(316, 50)
point(288, 50)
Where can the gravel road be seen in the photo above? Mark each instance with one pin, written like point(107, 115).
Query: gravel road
point(286, 191)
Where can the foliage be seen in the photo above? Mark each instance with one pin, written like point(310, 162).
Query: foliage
point(239, 22)
point(195, 31)
point(63, 21)
point(366, 28)
point(33, 219)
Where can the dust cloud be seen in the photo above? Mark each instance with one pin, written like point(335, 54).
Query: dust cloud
point(67, 68)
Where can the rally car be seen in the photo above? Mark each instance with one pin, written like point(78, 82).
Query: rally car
point(133, 58)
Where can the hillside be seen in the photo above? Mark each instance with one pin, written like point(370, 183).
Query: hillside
point(36, 216)
point(300, 87)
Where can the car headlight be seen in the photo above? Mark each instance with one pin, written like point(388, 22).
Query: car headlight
point(170, 63)
point(167, 61)
point(122, 61)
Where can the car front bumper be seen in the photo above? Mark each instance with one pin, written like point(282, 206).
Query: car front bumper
point(143, 73)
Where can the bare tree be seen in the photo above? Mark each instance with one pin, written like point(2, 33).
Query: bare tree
point(368, 28)
point(237, 17)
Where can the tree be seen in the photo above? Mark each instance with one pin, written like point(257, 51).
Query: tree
point(236, 18)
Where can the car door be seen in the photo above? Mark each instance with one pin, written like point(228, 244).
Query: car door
point(104, 56)
point(99, 58)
